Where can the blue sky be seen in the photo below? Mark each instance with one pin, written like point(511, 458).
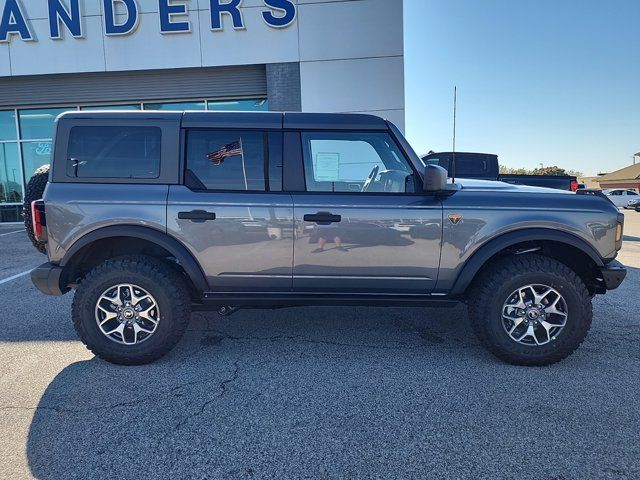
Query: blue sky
point(552, 81)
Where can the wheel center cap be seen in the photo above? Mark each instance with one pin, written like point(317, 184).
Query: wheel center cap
point(533, 314)
point(128, 313)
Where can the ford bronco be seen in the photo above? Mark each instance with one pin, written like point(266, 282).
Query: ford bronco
point(148, 215)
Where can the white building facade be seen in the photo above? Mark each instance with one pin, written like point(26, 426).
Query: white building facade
point(292, 55)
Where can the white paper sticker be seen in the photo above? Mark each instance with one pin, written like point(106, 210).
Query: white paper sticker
point(327, 167)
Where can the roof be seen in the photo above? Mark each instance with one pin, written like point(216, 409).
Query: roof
point(632, 172)
point(269, 120)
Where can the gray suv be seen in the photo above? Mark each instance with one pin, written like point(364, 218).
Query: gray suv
point(149, 215)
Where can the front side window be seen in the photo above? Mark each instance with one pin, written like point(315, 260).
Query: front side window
point(226, 160)
point(114, 152)
point(354, 162)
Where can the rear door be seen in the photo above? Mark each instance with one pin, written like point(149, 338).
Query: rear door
point(363, 225)
point(230, 210)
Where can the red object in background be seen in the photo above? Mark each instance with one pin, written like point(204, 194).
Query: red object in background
point(574, 185)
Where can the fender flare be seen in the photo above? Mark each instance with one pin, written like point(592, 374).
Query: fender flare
point(481, 256)
point(173, 246)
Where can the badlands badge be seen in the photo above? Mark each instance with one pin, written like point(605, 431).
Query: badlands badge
point(455, 218)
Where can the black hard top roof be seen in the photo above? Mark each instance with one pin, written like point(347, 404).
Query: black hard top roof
point(268, 120)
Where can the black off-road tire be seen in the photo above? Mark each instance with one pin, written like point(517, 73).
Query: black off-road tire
point(157, 278)
point(35, 190)
point(494, 286)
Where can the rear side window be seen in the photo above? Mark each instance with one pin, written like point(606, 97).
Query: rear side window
point(114, 152)
point(226, 160)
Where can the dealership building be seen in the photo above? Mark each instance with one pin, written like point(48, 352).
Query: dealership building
point(280, 55)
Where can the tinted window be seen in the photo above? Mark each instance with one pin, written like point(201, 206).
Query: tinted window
point(468, 165)
point(354, 162)
point(226, 160)
point(114, 152)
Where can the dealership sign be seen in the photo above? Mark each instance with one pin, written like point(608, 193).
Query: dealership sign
point(121, 17)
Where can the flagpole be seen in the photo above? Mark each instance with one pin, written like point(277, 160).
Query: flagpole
point(244, 173)
point(244, 169)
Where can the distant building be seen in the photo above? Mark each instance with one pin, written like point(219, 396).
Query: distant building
point(591, 182)
point(628, 177)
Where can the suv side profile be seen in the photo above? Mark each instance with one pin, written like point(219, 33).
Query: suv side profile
point(148, 215)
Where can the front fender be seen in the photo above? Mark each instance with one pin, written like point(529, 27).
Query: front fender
point(483, 254)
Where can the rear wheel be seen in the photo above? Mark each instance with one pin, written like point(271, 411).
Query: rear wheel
point(131, 310)
point(35, 190)
point(530, 310)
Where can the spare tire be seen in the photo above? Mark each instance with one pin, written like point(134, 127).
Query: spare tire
point(35, 190)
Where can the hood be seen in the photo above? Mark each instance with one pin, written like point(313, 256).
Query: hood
point(494, 185)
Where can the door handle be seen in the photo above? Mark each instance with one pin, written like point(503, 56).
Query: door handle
point(322, 218)
point(198, 216)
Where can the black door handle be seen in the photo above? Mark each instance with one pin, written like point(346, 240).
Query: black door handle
point(322, 218)
point(198, 216)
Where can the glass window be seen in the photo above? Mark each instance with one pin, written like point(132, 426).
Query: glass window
point(226, 160)
point(11, 213)
point(10, 181)
point(114, 152)
point(175, 106)
point(260, 104)
point(111, 107)
point(354, 162)
point(38, 124)
point(34, 155)
point(8, 125)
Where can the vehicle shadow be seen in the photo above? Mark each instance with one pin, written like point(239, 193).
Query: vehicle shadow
point(332, 392)
point(255, 378)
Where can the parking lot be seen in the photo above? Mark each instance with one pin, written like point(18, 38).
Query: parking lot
point(314, 393)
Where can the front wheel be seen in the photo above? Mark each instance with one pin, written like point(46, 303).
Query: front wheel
point(530, 310)
point(131, 310)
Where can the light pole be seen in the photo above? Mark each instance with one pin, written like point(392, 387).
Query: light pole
point(634, 157)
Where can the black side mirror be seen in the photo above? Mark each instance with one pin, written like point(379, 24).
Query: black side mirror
point(435, 178)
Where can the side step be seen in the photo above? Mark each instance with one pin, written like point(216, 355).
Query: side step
point(225, 301)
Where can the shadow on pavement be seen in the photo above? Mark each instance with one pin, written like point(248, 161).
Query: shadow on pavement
point(338, 392)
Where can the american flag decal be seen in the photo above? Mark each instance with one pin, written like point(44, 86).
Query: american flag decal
point(230, 150)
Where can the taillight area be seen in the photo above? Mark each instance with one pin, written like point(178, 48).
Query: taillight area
point(619, 231)
point(574, 185)
point(39, 220)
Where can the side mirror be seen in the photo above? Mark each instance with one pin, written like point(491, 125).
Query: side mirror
point(435, 178)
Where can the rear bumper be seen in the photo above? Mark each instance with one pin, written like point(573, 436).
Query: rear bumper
point(47, 277)
point(613, 274)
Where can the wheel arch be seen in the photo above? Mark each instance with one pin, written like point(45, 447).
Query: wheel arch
point(536, 237)
point(142, 235)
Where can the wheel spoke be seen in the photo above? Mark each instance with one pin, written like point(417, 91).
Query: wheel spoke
point(107, 315)
point(528, 333)
point(521, 303)
point(552, 309)
point(119, 329)
point(539, 297)
point(147, 316)
point(516, 323)
point(135, 300)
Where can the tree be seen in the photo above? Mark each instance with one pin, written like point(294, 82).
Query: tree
point(541, 170)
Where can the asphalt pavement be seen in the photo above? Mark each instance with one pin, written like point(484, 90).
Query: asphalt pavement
point(314, 393)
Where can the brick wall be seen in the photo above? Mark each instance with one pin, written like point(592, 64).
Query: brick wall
point(283, 87)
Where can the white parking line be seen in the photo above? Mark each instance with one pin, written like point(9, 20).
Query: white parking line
point(15, 276)
point(10, 233)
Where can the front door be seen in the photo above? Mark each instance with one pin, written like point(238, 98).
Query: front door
point(231, 212)
point(361, 227)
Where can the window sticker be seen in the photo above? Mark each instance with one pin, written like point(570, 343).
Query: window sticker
point(327, 167)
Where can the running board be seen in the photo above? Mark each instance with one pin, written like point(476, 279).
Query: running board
point(291, 299)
